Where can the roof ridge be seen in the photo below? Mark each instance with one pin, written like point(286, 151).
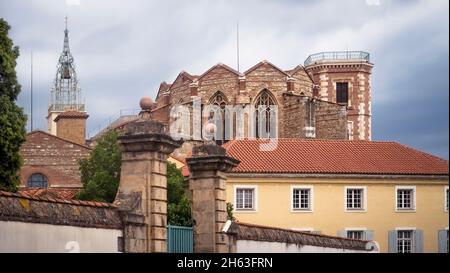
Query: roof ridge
point(313, 156)
point(297, 231)
point(421, 152)
point(57, 200)
point(60, 138)
point(265, 62)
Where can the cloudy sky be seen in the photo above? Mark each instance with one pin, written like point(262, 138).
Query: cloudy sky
point(124, 49)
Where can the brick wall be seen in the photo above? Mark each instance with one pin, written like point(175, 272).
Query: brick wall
point(358, 76)
point(294, 108)
point(54, 157)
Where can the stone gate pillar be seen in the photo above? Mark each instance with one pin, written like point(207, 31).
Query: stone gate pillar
point(207, 183)
point(142, 194)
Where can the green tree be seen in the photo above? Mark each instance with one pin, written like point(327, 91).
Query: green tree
point(179, 207)
point(100, 173)
point(230, 212)
point(12, 117)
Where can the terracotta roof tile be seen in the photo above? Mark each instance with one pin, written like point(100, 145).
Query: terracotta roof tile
point(58, 211)
point(55, 200)
point(71, 114)
point(245, 231)
point(52, 192)
point(334, 157)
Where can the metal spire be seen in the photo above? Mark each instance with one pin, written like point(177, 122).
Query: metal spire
point(66, 94)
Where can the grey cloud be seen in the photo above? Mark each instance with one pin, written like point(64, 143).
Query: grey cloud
point(123, 50)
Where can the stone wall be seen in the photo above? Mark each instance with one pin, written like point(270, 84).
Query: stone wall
point(39, 224)
point(296, 116)
point(72, 129)
point(329, 120)
point(250, 238)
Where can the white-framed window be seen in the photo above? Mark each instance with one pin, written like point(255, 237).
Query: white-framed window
point(302, 198)
point(405, 197)
point(355, 198)
point(405, 241)
point(446, 198)
point(355, 234)
point(358, 233)
point(245, 198)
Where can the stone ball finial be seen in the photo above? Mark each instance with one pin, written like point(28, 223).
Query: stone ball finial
point(146, 103)
point(211, 128)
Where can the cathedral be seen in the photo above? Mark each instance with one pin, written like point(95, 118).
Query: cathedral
point(329, 97)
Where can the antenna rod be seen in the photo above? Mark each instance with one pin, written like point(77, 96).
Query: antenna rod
point(31, 120)
point(237, 34)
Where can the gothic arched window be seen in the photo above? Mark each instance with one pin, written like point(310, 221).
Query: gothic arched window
point(37, 180)
point(262, 104)
point(220, 100)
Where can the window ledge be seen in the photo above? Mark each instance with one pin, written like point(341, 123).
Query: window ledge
point(355, 210)
point(301, 211)
point(245, 211)
point(405, 210)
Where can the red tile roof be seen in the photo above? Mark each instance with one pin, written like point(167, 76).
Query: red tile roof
point(334, 157)
point(66, 194)
point(71, 114)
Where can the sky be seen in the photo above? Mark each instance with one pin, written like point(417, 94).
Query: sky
point(123, 50)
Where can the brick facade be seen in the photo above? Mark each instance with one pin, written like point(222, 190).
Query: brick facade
point(54, 157)
point(358, 76)
point(299, 115)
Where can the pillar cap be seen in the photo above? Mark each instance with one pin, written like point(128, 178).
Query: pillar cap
point(210, 156)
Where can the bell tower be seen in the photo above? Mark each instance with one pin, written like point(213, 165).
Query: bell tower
point(65, 93)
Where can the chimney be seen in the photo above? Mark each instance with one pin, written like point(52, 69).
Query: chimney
point(71, 125)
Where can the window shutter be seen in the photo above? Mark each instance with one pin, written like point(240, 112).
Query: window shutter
point(342, 233)
point(418, 240)
point(442, 237)
point(392, 241)
point(368, 235)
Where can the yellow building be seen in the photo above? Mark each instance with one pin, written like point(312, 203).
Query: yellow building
point(380, 191)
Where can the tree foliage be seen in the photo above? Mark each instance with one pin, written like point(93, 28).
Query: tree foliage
point(12, 117)
point(179, 207)
point(100, 173)
point(230, 212)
